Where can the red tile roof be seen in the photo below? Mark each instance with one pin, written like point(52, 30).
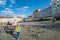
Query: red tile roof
point(6, 17)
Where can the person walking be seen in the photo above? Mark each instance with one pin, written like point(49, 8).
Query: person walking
point(18, 31)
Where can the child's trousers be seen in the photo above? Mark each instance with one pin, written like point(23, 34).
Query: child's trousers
point(17, 34)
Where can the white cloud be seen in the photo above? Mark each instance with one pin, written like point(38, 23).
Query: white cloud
point(7, 11)
point(26, 7)
point(23, 8)
point(2, 2)
point(12, 1)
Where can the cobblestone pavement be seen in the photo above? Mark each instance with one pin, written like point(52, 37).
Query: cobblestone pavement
point(4, 35)
point(37, 33)
point(34, 32)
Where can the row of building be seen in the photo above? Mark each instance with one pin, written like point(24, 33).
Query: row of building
point(5, 19)
point(52, 11)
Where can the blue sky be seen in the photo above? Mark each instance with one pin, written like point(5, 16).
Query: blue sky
point(22, 8)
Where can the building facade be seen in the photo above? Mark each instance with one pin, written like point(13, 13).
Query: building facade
point(37, 15)
point(55, 5)
point(52, 11)
point(10, 19)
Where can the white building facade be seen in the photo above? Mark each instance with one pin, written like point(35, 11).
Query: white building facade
point(55, 5)
point(52, 11)
point(10, 19)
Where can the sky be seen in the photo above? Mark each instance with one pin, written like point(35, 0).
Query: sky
point(22, 8)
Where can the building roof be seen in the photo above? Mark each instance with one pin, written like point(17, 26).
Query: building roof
point(6, 17)
point(19, 17)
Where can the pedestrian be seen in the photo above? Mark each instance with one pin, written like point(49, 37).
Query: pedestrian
point(11, 28)
point(18, 31)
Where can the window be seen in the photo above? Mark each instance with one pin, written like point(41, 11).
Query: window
point(57, 0)
point(55, 4)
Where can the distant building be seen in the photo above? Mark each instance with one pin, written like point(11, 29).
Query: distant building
point(52, 11)
point(38, 14)
point(10, 19)
point(46, 12)
point(29, 18)
point(55, 5)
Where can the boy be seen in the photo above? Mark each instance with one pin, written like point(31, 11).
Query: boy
point(18, 31)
